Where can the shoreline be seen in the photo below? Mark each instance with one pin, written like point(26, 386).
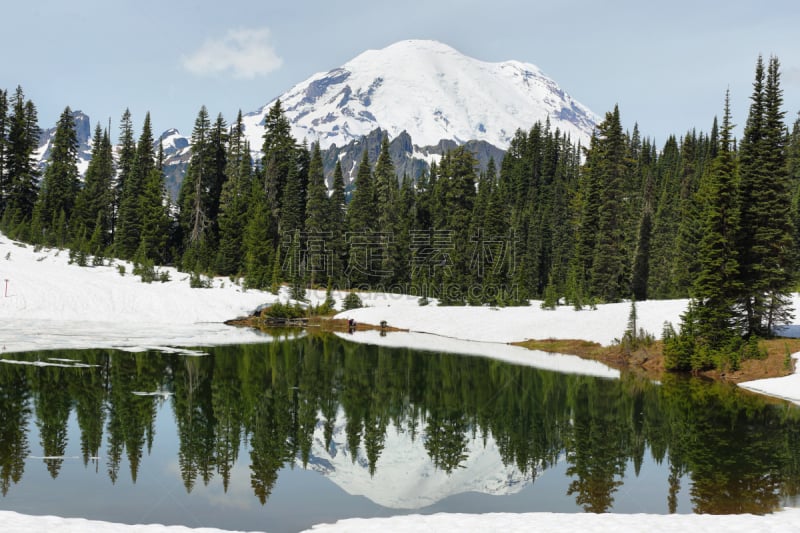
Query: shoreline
point(52, 305)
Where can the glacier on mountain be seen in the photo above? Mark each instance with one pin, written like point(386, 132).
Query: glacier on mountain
point(431, 91)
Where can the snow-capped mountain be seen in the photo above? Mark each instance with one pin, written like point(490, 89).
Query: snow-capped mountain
point(405, 477)
point(83, 130)
point(432, 92)
point(177, 152)
point(425, 95)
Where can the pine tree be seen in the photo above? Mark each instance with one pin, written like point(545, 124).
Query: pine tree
point(317, 223)
point(361, 216)
point(587, 204)
point(685, 261)
point(154, 207)
point(456, 192)
point(60, 182)
point(337, 216)
point(128, 234)
point(279, 154)
point(387, 197)
point(764, 241)
point(4, 185)
point(258, 241)
point(778, 270)
point(233, 201)
point(362, 212)
point(641, 261)
point(717, 285)
point(793, 169)
point(317, 212)
point(125, 163)
point(20, 165)
point(608, 264)
point(660, 282)
point(292, 213)
point(296, 269)
point(199, 195)
point(94, 203)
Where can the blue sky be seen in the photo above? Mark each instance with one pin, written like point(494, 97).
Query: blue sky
point(666, 64)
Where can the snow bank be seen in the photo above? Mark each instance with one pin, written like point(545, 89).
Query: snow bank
point(19, 523)
point(787, 520)
point(47, 303)
point(508, 324)
point(567, 364)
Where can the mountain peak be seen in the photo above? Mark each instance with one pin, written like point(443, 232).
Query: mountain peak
point(433, 92)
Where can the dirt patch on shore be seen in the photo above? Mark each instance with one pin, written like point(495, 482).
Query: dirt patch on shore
point(649, 360)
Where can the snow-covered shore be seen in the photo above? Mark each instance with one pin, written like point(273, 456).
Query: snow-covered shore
point(787, 520)
point(46, 303)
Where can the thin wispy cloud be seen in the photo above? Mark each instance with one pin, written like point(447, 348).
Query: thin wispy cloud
point(792, 75)
point(242, 53)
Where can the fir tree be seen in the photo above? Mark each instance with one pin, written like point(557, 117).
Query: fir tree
point(4, 184)
point(641, 261)
point(361, 216)
point(660, 281)
point(199, 195)
point(279, 154)
point(154, 207)
point(233, 201)
point(337, 213)
point(387, 199)
point(60, 182)
point(608, 264)
point(20, 164)
point(456, 193)
point(717, 285)
point(125, 163)
point(317, 223)
point(130, 220)
point(362, 212)
point(293, 207)
point(257, 241)
point(94, 203)
point(317, 212)
point(765, 238)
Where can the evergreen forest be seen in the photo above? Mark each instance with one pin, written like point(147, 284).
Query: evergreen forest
point(704, 216)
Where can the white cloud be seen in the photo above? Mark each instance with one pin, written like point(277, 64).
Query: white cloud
point(791, 75)
point(244, 53)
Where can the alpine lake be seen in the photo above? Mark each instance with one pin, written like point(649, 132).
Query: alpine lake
point(306, 429)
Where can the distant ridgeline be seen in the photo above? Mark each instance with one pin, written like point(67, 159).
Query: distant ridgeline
point(705, 216)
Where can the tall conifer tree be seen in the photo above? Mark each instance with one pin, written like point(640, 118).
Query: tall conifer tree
point(387, 198)
point(609, 262)
point(361, 216)
point(717, 284)
point(764, 241)
point(4, 185)
point(233, 201)
point(60, 182)
point(130, 219)
point(21, 170)
point(337, 216)
point(154, 206)
point(125, 162)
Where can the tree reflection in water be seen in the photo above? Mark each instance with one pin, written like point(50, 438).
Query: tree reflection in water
point(741, 452)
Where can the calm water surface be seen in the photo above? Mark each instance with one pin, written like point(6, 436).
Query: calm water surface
point(284, 435)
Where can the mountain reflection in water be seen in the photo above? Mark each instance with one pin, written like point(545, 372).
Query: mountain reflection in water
point(404, 428)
